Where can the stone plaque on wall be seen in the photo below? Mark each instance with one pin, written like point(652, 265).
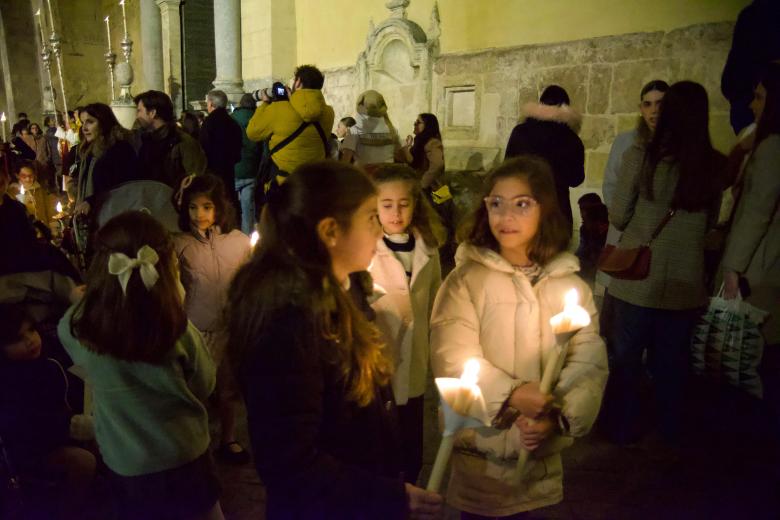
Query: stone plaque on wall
point(461, 106)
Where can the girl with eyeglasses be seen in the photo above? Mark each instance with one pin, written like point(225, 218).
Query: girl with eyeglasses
point(513, 271)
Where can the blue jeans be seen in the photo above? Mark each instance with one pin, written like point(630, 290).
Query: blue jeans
point(666, 335)
point(246, 195)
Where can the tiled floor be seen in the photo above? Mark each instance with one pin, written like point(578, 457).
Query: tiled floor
point(729, 469)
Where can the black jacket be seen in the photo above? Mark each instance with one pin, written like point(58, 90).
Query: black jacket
point(221, 139)
point(34, 415)
point(550, 133)
point(117, 165)
point(319, 455)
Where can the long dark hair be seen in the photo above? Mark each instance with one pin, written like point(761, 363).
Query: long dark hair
point(682, 137)
point(109, 130)
point(214, 189)
point(553, 234)
point(424, 218)
point(291, 265)
point(770, 117)
point(431, 131)
point(144, 324)
point(656, 85)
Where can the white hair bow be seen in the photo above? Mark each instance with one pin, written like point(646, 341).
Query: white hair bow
point(122, 266)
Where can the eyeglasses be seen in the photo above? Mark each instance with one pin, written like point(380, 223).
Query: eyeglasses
point(518, 206)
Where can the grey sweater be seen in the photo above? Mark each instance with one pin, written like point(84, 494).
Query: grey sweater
point(676, 274)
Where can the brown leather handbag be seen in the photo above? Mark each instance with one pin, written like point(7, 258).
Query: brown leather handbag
point(630, 263)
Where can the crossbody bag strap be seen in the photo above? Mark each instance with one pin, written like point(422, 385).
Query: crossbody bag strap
point(661, 225)
point(322, 136)
point(290, 138)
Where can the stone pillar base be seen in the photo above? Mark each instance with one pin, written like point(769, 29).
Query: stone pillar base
point(124, 110)
point(234, 88)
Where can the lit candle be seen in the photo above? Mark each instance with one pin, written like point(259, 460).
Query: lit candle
point(254, 239)
point(2, 123)
point(124, 17)
point(466, 393)
point(20, 197)
point(59, 207)
point(564, 325)
point(108, 33)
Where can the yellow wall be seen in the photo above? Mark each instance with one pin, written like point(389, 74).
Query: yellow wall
point(331, 34)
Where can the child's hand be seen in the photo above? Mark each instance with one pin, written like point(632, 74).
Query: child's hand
point(530, 401)
point(77, 293)
point(423, 504)
point(532, 433)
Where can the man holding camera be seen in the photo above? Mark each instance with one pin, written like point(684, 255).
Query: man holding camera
point(295, 124)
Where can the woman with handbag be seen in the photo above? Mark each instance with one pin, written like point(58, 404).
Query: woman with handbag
point(667, 197)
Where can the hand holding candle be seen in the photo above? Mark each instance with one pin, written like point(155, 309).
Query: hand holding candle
point(564, 325)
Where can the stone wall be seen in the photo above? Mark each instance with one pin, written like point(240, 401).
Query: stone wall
point(602, 75)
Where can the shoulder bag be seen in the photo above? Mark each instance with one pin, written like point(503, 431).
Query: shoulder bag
point(630, 263)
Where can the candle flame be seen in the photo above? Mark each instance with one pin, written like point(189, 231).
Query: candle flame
point(121, 2)
point(572, 298)
point(2, 117)
point(38, 12)
point(105, 19)
point(22, 188)
point(254, 238)
point(470, 372)
point(59, 207)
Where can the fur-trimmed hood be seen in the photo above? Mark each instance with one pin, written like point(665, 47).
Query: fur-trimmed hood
point(558, 114)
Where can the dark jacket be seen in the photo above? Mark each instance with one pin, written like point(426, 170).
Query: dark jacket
point(250, 150)
point(117, 165)
point(551, 133)
point(221, 138)
point(755, 43)
point(34, 416)
point(168, 154)
point(319, 455)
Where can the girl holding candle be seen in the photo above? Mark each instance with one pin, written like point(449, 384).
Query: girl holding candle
point(406, 266)
point(150, 374)
point(40, 203)
point(511, 277)
point(210, 251)
point(312, 368)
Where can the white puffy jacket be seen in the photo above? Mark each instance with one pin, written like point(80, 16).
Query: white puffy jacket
point(487, 310)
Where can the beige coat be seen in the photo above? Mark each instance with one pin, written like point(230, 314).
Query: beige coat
point(753, 246)
point(404, 312)
point(487, 310)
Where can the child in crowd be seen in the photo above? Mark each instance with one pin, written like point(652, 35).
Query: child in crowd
point(210, 251)
point(149, 371)
point(311, 366)
point(511, 278)
point(40, 203)
point(406, 265)
point(593, 234)
point(35, 414)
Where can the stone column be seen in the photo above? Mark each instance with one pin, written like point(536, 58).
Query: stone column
point(227, 46)
point(171, 50)
point(151, 45)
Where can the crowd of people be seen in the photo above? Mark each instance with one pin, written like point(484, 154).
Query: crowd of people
point(360, 287)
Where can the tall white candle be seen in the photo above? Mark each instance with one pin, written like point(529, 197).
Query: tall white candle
point(108, 33)
point(40, 27)
point(51, 15)
point(124, 17)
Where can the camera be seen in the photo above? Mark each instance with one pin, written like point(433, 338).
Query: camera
point(276, 92)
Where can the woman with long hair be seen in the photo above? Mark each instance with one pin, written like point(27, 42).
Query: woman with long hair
point(312, 368)
point(753, 246)
point(676, 179)
point(424, 151)
point(105, 156)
